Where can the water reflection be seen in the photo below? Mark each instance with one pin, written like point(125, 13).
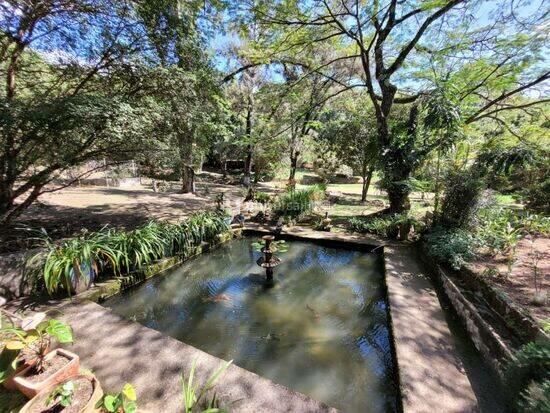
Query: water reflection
point(321, 329)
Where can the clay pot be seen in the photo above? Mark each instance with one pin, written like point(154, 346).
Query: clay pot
point(31, 388)
point(9, 383)
point(82, 276)
point(88, 408)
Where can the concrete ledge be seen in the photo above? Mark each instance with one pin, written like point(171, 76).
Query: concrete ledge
point(103, 290)
point(493, 348)
point(120, 351)
point(432, 377)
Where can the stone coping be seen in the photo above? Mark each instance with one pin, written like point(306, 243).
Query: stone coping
point(430, 374)
point(120, 351)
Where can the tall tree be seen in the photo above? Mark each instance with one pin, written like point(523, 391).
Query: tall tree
point(56, 58)
point(392, 42)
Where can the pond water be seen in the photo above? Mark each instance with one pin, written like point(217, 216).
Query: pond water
point(321, 329)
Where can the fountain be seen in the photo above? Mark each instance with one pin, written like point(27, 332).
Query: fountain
point(269, 260)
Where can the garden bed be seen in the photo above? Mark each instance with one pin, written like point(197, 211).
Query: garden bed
point(519, 285)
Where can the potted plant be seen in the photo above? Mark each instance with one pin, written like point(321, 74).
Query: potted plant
point(77, 394)
point(73, 264)
point(13, 358)
point(122, 402)
point(42, 368)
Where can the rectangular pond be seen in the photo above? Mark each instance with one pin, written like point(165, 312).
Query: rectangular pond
point(322, 329)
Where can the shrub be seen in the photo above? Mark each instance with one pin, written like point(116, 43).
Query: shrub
point(527, 378)
point(385, 226)
point(462, 193)
point(500, 228)
point(537, 196)
point(452, 246)
point(296, 203)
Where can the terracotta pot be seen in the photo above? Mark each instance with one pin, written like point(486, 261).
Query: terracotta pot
point(9, 383)
point(31, 389)
point(88, 408)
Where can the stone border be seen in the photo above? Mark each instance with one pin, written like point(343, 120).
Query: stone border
point(496, 350)
point(518, 319)
point(417, 367)
point(103, 290)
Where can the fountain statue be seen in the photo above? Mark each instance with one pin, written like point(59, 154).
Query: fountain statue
point(269, 260)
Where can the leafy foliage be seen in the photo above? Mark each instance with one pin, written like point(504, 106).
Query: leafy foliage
point(34, 341)
point(122, 402)
point(452, 246)
point(385, 226)
point(194, 394)
point(463, 190)
point(296, 203)
point(62, 395)
point(528, 378)
point(118, 251)
point(537, 196)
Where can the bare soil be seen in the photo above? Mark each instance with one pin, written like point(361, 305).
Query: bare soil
point(67, 212)
point(83, 390)
point(520, 285)
point(49, 367)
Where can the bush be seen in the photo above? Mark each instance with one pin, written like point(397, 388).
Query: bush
point(385, 226)
point(462, 193)
point(500, 228)
point(452, 246)
point(296, 203)
point(537, 196)
point(527, 378)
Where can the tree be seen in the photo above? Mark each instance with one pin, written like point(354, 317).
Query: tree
point(57, 110)
point(188, 81)
point(391, 42)
point(351, 132)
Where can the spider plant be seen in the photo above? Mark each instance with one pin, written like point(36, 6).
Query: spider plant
point(137, 247)
point(69, 260)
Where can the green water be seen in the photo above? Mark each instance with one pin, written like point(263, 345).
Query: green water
point(322, 329)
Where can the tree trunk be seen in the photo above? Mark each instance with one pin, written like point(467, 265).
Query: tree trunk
point(224, 168)
point(250, 147)
point(366, 184)
point(398, 167)
point(248, 166)
point(293, 165)
point(186, 157)
point(437, 188)
point(187, 180)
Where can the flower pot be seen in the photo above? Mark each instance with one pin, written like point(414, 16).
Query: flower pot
point(22, 364)
point(31, 388)
point(87, 407)
point(82, 276)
